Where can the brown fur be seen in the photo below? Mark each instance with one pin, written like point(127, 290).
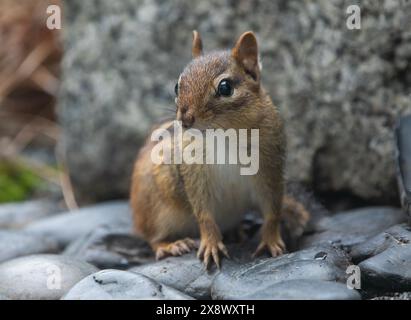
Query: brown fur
point(173, 202)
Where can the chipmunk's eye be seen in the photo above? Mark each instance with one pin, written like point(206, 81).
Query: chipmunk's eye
point(225, 88)
point(176, 89)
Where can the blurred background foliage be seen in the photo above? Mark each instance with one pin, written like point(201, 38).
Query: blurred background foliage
point(30, 57)
point(17, 183)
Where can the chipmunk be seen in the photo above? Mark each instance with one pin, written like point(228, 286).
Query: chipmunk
point(173, 203)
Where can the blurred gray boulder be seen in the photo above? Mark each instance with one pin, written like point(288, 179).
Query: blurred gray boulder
point(41, 276)
point(340, 90)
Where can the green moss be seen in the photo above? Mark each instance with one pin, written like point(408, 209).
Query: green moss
point(17, 183)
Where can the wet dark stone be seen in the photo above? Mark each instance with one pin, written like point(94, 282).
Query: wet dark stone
point(321, 256)
point(391, 237)
point(108, 247)
point(305, 290)
point(238, 281)
point(185, 273)
point(349, 228)
point(403, 151)
point(395, 296)
point(388, 265)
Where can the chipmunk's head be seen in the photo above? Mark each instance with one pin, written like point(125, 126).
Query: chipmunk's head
point(219, 89)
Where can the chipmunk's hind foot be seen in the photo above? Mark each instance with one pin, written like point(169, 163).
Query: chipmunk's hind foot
point(176, 248)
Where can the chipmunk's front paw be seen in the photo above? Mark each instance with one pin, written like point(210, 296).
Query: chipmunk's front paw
point(176, 248)
point(209, 250)
point(274, 247)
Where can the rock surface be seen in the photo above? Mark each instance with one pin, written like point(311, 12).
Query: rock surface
point(348, 228)
point(70, 226)
point(350, 85)
point(100, 235)
point(186, 274)
point(237, 281)
point(305, 290)
point(396, 296)
point(14, 244)
point(41, 277)
point(17, 215)
point(108, 247)
point(389, 264)
point(115, 284)
point(391, 237)
point(3, 297)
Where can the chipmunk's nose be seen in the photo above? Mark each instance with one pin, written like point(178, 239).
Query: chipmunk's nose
point(185, 117)
point(188, 121)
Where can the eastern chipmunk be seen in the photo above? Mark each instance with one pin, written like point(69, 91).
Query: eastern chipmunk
point(172, 203)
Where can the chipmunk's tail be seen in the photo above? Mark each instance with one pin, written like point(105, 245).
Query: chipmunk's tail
point(300, 214)
point(295, 216)
point(301, 211)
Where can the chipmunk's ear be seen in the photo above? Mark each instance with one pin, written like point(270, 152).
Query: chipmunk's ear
point(245, 52)
point(197, 48)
